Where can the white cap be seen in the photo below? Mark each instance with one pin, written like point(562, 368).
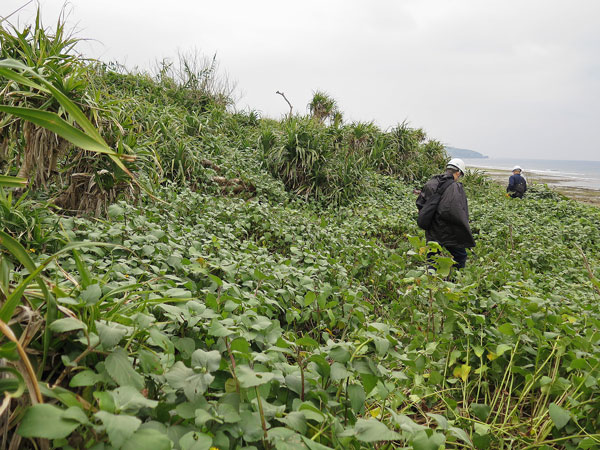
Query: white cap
point(516, 168)
point(456, 163)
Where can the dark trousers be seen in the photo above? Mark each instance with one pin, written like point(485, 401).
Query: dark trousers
point(458, 253)
point(460, 256)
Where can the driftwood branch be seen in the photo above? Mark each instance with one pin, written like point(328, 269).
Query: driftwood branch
point(288, 102)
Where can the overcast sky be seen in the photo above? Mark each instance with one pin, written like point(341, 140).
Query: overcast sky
point(509, 78)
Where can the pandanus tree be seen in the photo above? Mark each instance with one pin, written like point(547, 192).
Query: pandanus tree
point(322, 106)
point(47, 110)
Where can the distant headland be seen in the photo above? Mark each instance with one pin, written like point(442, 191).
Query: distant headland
point(463, 153)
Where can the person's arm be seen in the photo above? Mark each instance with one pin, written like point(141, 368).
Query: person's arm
point(511, 184)
point(426, 192)
point(421, 200)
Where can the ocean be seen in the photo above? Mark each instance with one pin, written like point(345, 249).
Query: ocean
point(574, 174)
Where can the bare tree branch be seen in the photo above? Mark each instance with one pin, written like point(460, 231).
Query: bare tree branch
point(288, 102)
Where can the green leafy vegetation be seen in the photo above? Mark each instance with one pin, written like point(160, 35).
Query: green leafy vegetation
point(215, 279)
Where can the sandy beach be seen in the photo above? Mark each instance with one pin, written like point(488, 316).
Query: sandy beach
point(589, 196)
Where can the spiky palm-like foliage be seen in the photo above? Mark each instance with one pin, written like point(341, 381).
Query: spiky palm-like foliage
point(322, 106)
point(311, 161)
point(52, 54)
point(83, 180)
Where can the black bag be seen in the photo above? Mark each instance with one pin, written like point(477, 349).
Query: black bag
point(520, 188)
point(427, 212)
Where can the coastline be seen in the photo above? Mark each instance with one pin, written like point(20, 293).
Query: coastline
point(580, 194)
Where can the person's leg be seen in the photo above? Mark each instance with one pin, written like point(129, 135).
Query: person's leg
point(430, 258)
point(460, 256)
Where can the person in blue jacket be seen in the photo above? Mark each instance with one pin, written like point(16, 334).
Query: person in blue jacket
point(517, 184)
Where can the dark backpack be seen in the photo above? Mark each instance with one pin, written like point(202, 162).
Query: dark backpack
point(427, 212)
point(520, 188)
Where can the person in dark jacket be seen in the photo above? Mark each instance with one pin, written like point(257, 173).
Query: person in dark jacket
point(517, 184)
point(450, 225)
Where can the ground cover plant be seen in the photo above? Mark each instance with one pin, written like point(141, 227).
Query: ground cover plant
point(262, 284)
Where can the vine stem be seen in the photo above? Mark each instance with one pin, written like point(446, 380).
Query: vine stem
point(262, 417)
point(237, 383)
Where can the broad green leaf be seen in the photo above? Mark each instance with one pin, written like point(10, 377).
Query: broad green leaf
point(67, 324)
point(186, 346)
point(312, 445)
point(150, 362)
point(307, 341)
point(115, 211)
point(106, 402)
point(196, 385)
point(502, 348)
point(91, 294)
point(118, 427)
point(482, 441)
point(229, 413)
point(406, 423)
point(422, 441)
point(85, 378)
point(309, 298)
point(218, 330)
point(128, 399)
point(285, 439)
point(249, 378)
point(442, 422)
point(195, 441)
point(296, 420)
point(46, 421)
point(201, 417)
point(121, 370)
point(77, 414)
point(481, 411)
point(460, 434)
point(339, 372)
point(147, 438)
point(507, 328)
point(373, 431)
point(368, 381)
point(178, 374)
point(110, 333)
point(206, 360)
point(323, 366)
point(240, 345)
point(251, 426)
point(340, 354)
point(588, 444)
point(230, 385)
point(311, 412)
point(444, 264)
point(357, 396)
point(559, 416)
point(462, 372)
